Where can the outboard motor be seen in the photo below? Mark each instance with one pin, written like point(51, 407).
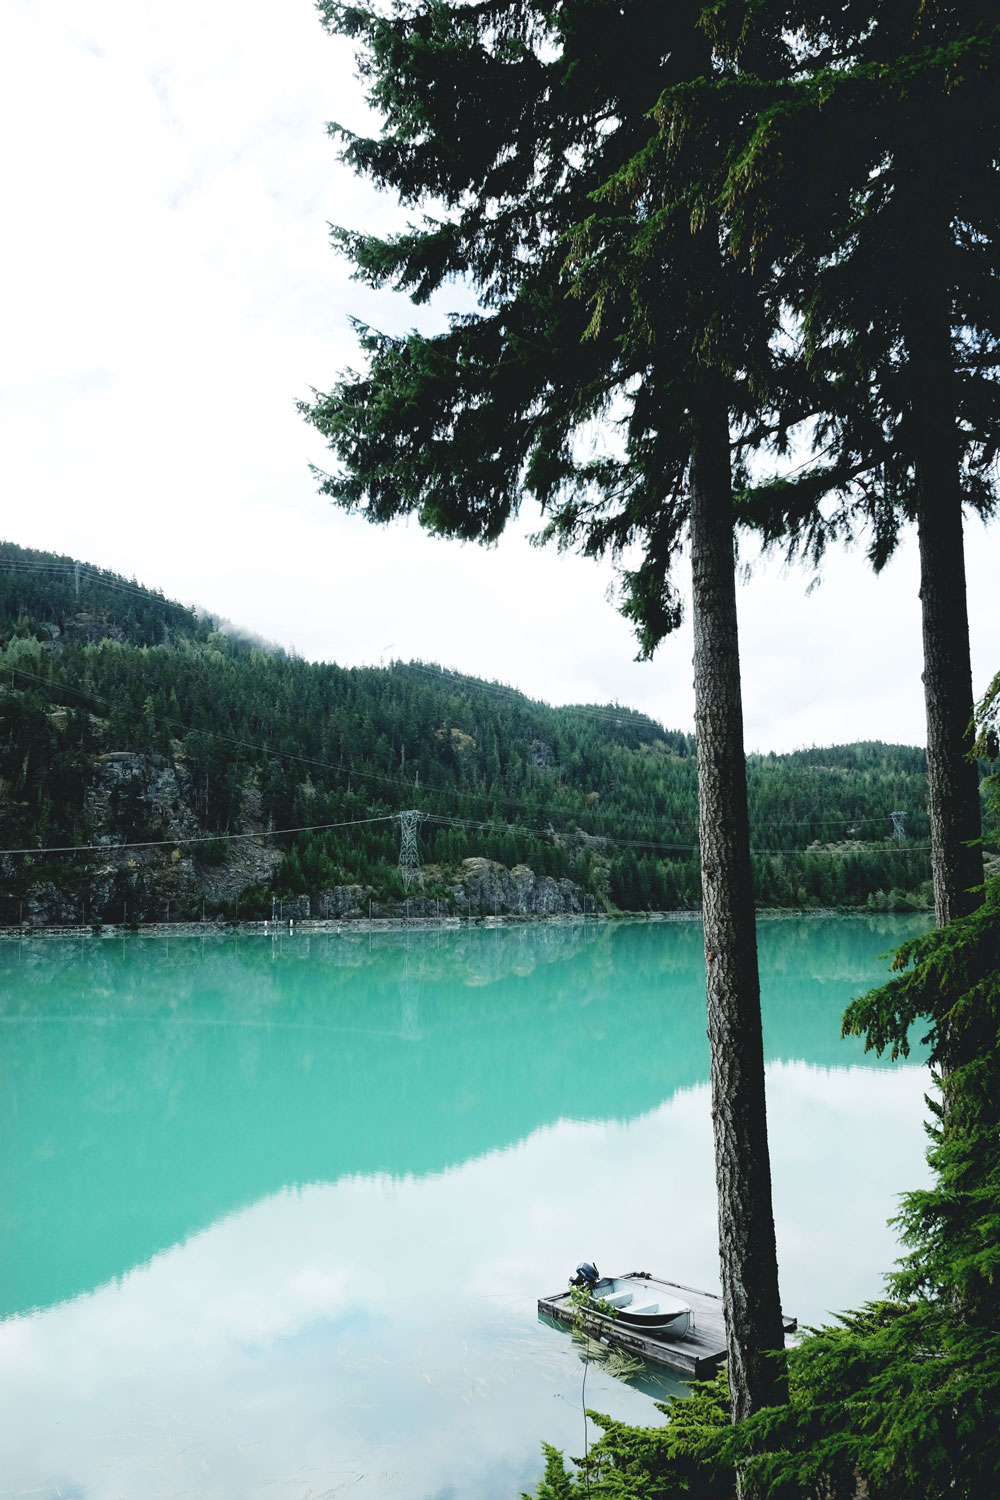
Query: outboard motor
point(586, 1275)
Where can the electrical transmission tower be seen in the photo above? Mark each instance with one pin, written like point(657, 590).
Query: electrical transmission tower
point(409, 854)
point(898, 826)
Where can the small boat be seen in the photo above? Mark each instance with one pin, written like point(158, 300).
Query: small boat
point(691, 1338)
point(637, 1302)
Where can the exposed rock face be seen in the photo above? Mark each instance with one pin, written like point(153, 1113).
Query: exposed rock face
point(540, 755)
point(136, 799)
point(342, 901)
point(140, 885)
point(138, 804)
point(296, 908)
point(246, 863)
point(486, 887)
point(347, 903)
point(45, 905)
point(147, 786)
point(86, 629)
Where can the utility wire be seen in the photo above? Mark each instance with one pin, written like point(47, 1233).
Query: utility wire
point(625, 717)
point(407, 787)
point(502, 828)
point(395, 782)
point(444, 819)
point(89, 574)
point(96, 700)
point(197, 838)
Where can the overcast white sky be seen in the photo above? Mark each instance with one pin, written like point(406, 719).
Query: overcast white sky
point(169, 291)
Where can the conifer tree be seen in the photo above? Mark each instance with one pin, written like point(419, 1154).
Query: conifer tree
point(867, 178)
point(529, 123)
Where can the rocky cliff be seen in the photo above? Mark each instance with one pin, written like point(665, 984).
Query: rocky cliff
point(148, 861)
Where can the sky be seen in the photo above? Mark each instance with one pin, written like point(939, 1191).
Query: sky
point(169, 292)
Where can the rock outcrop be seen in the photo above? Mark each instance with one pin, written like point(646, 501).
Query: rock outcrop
point(342, 902)
point(487, 888)
point(153, 864)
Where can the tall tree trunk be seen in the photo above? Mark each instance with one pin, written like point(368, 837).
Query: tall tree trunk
point(952, 778)
point(747, 1248)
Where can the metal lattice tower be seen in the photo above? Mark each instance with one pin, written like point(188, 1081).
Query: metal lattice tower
point(898, 825)
point(409, 854)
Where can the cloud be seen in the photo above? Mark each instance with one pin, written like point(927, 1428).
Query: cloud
point(175, 292)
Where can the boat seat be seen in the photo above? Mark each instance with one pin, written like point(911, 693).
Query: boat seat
point(645, 1310)
point(619, 1299)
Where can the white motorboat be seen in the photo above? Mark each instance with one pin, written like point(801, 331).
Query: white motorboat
point(643, 1306)
point(637, 1302)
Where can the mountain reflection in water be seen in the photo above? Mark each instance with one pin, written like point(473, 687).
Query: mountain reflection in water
point(278, 1211)
point(151, 1087)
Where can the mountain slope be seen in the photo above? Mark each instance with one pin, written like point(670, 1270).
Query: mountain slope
point(127, 720)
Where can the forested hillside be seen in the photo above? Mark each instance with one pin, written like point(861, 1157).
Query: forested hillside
point(128, 720)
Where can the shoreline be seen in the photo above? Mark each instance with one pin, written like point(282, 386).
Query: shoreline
point(309, 926)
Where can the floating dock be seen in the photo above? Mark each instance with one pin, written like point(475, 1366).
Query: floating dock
point(698, 1354)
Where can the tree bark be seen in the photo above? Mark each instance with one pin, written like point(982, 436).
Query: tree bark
point(952, 778)
point(924, 188)
point(747, 1248)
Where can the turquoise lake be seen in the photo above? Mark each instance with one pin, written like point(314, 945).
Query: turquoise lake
point(277, 1211)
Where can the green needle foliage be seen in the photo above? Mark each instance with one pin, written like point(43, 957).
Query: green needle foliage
point(681, 220)
point(863, 176)
point(862, 182)
point(525, 127)
point(683, 1458)
point(904, 1394)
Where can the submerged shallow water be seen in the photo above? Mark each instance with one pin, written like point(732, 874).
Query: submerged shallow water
point(276, 1212)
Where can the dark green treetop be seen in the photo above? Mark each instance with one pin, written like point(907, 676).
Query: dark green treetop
point(523, 129)
point(865, 178)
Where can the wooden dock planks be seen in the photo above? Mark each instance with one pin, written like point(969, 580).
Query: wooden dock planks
point(697, 1355)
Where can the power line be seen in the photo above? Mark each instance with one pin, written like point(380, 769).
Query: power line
point(617, 718)
point(689, 849)
point(395, 782)
point(447, 821)
point(86, 573)
point(197, 838)
point(608, 716)
point(620, 718)
point(405, 786)
point(95, 699)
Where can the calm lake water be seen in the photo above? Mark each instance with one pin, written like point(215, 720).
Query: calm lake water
point(276, 1212)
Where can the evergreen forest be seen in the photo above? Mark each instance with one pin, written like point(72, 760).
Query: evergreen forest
point(127, 720)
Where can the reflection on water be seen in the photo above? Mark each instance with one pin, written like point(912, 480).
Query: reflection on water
point(278, 1211)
